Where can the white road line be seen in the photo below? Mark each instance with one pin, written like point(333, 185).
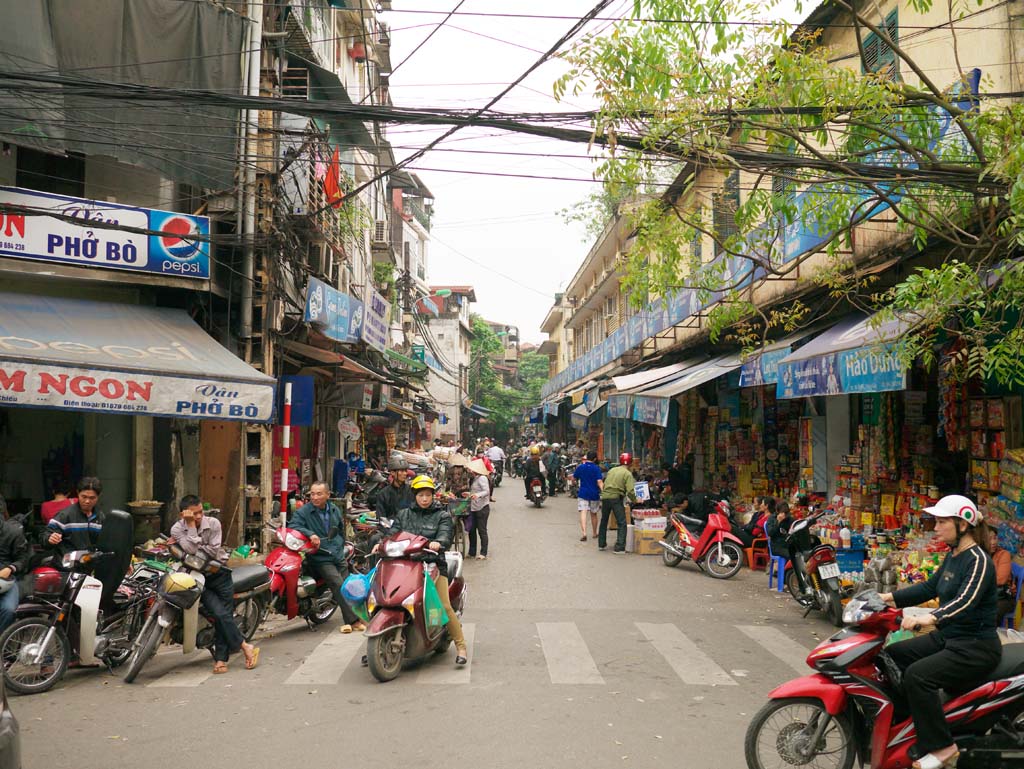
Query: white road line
point(691, 664)
point(777, 643)
point(328, 660)
point(192, 671)
point(567, 655)
point(442, 669)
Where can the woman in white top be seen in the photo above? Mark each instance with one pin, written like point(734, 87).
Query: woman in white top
point(479, 495)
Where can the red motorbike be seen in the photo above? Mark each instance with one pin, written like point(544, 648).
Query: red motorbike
point(711, 545)
point(293, 592)
point(398, 631)
point(851, 709)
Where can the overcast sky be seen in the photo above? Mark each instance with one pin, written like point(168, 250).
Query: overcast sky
point(502, 235)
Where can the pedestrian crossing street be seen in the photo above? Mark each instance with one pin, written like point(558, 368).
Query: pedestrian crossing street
point(565, 658)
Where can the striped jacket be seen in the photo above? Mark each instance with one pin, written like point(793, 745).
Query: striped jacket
point(78, 531)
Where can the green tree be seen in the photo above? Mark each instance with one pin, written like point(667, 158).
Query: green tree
point(727, 91)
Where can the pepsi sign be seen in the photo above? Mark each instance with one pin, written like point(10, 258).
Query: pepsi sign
point(93, 233)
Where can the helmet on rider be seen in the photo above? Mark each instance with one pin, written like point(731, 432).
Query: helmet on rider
point(423, 482)
point(957, 506)
point(556, 445)
point(534, 451)
point(397, 463)
point(625, 458)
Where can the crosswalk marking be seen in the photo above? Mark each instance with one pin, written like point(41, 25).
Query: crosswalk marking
point(567, 655)
point(328, 660)
point(192, 672)
point(442, 669)
point(691, 664)
point(778, 644)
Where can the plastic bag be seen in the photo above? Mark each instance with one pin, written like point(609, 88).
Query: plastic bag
point(435, 616)
point(355, 589)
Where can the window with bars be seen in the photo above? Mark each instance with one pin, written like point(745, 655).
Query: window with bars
point(611, 314)
point(878, 55)
point(726, 202)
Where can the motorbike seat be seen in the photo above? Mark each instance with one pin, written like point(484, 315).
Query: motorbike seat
point(691, 523)
point(245, 578)
point(1011, 664)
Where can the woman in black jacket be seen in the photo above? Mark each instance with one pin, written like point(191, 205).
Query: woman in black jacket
point(964, 647)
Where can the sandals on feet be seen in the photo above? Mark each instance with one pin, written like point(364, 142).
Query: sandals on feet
point(254, 660)
point(220, 667)
point(930, 761)
point(460, 657)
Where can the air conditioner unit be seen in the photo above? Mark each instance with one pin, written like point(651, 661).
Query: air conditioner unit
point(380, 232)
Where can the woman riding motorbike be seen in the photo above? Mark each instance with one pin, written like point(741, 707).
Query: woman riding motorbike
point(964, 647)
point(428, 518)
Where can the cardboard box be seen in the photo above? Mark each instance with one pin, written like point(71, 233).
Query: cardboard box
point(646, 541)
point(652, 524)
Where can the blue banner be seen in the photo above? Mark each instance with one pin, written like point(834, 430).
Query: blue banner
point(653, 411)
point(619, 406)
point(336, 315)
point(619, 342)
point(861, 370)
point(763, 369)
point(634, 332)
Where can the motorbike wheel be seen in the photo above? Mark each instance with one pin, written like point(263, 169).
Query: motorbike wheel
point(148, 640)
point(384, 655)
point(724, 550)
point(793, 586)
point(16, 647)
point(248, 616)
point(778, 735)
point(667, 558)
point(834, 609)
point(320, 617)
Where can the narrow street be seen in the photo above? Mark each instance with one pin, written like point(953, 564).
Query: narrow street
point(578, 658)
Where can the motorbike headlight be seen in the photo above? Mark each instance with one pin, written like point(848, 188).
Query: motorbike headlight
point(396, 549)
point(292, 542)
point(193, 562)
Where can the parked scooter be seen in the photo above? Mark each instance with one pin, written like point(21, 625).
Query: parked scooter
point(293, 592)
point(812, 576)
point(499, 469)
point(398, 631)
point(37, 649)
point(851, 708)
point(175, 614)
point(571, 484)
point(537, 495)
point(711, 545)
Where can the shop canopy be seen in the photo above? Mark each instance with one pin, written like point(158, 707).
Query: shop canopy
point(856, 355)
point(762, 367)
point(655, 377)
point(694, 376)
point(82, 355)
point(356, 371)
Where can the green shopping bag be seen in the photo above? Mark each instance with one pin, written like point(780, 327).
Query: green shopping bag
point(434, 614)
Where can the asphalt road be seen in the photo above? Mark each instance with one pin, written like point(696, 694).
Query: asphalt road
point(578, 658)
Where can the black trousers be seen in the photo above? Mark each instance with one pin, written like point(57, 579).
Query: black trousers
point(218, 599)
point(480, 518)
point(334, 575)
point(930, 663)
point(552, 482)
point(609, 507)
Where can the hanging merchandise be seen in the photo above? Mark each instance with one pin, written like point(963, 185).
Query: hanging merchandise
point(952, 403)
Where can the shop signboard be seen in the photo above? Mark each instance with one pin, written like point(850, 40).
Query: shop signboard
point(653, 411)
point(635, 331)
point(619, 342)
point(52, 385)
point(763, 368)
point(375, 320)
point(88, 234)
point(348, 428)
point(336, 315)
point(619, 406)
point(577, 421)
point(872, 369)
point(680, 304)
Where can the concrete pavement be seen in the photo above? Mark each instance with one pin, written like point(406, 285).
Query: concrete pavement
point(578, 657)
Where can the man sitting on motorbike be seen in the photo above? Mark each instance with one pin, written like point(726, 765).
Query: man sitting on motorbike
point(397, 493)
point(964, 647)
point(428, 518)
point(199, 533)
point(78, 526)
point(534, 468)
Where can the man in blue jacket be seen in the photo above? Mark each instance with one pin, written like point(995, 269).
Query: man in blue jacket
point(322, 522)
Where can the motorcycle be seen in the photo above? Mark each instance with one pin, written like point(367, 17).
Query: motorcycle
point(292, 592)
point(175, 614)
point(851, 707)
point(518, 466)
point(712, 545)
point(499, 469)
point(537, 495)
point(37, 649)
point(398, 631)
point(812, 576)
point(571, 484)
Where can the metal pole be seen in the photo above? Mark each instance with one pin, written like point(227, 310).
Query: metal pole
point(255, 11)
point(286, 444)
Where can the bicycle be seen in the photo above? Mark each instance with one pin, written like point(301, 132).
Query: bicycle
point(459, 510)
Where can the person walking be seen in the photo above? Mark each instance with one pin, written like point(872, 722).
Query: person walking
point(618, 484)
point(588, 499)
point(479, 495)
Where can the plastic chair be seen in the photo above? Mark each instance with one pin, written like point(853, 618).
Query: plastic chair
point(776, 563)
point(757, 553)
point(1018, 578)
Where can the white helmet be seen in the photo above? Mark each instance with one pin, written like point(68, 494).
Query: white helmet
point(956, 506)
point(556, 445)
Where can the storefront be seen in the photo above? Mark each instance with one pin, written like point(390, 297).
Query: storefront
point(126, 392)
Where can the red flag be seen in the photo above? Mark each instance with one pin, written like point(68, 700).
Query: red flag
point(332, 182)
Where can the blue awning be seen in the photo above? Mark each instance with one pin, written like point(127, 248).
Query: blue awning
point(83, 355)
point(853, 356)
